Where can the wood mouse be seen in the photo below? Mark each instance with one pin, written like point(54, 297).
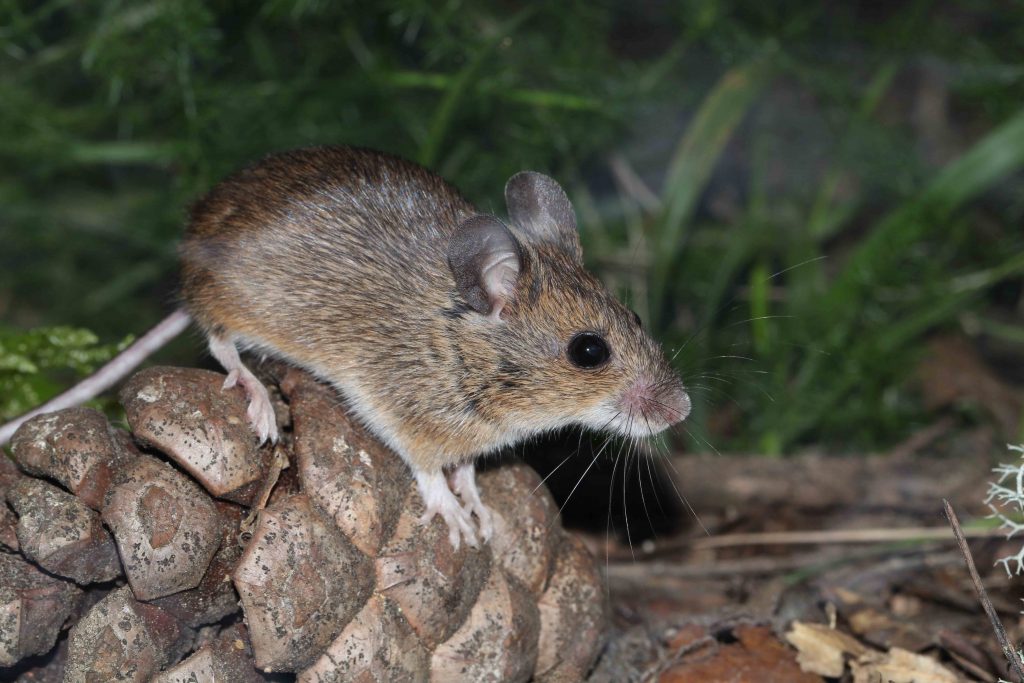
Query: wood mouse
point(447, 332)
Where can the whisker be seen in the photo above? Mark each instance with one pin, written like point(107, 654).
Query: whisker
point(608, 522)
point(703, 327)
point(729, 306)
point(682, 498)
point(564, 460)
point(579, 445)
point(699, 440)
point(654, 487)
point(760, 317)
point(764, 391)
point(711, 374)
point(580, 480)
point(640, 481)
point(802, 263)
point(625, 509)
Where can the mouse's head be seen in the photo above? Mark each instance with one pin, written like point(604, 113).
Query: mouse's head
point(548, 344)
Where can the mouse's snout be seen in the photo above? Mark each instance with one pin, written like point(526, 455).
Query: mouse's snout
point(675, 406)
point(649, 406)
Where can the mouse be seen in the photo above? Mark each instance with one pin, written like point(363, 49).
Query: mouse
point(448, 332)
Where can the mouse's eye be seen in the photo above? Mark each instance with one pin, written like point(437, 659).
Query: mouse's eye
point(636, 319)
point(588, 350)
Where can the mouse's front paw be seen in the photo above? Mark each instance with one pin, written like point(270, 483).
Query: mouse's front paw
point(459, 521)
point(439, 500)
point(464, 484)
point(486, 519)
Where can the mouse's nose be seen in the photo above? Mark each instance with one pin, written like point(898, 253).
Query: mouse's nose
point(657, 403)
point(672, 404)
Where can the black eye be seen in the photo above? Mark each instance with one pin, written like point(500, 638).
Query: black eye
point(587, 350)
point(636, 319)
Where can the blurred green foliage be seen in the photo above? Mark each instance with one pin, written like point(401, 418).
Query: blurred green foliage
point(25, 358)
point(868, 154)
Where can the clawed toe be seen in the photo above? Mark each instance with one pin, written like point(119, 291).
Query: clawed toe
point(439, 500)
point(231, 380)
point(486, 524)
point(459, 525)
point(464, 483)
point(262, 419)
point(260, 411)
point(474, 506)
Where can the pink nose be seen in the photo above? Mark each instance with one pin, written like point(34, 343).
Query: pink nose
point(672, 404)
point(657, 402)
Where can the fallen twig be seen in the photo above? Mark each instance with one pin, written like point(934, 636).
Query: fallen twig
point(817, 537)
point(1004, 642)
point(654, 572)
point(835, 536)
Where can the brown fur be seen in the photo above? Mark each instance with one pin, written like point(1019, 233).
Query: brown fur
point(335, 259)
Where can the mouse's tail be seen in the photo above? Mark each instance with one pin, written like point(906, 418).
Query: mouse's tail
point(108, 375)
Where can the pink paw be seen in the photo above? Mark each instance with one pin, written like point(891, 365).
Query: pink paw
point(261, 410)
point(439, 500)
point(459, 521)
point(464, 484)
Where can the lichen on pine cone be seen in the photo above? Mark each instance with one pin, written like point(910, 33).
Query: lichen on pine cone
point(141, 544)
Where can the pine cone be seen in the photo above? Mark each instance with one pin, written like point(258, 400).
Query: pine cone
point(142, 544)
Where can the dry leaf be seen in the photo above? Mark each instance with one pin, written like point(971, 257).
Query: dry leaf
point(900, 666)
point(823, 650)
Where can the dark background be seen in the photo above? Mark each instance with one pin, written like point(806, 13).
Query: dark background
point(805, 199)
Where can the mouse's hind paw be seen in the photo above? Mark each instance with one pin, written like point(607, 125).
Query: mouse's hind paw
point(261, 413)
point(261, 410)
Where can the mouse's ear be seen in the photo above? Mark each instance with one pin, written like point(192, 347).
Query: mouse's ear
point(539, 207)
point(485, 259)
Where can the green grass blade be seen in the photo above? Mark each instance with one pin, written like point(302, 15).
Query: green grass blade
point(123, 152)
point(695, 158)
point(989, 161)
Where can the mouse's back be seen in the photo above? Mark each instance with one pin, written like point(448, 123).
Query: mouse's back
point(331, 181)
point(308, 240)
